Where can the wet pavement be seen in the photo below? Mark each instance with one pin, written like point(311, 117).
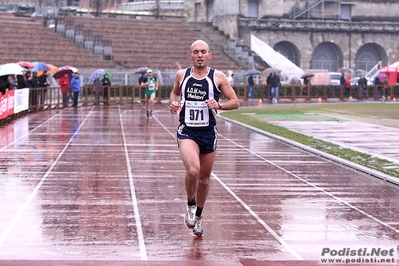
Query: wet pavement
point(104, 185)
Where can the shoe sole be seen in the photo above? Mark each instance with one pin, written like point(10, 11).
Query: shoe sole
point(198, 233)
point(188, 224)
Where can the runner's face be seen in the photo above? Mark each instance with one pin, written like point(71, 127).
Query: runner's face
point(200, 55)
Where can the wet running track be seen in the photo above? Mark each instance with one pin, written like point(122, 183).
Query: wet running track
point(104, 185)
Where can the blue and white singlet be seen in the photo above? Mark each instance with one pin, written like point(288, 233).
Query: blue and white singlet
point(194, 93)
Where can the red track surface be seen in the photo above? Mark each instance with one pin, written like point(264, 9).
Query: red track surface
point(104, 186)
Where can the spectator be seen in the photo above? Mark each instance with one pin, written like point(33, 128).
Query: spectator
point(22, 80)
point(251, 84)
point(307, 83)
point(106, 82)
point(387, 89)
point(231, 79)
point(362, 82)
point(97, 91)
point(12, 82)
point(379, 85)
point(3, 84)
point(65, 89)
point(275, 82)
point(75, 88)
point(348, 85)
point(342, 82)
point(33, 83)
point(43, 84)
point(269, 88)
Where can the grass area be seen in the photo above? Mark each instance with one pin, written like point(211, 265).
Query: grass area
point(379, 113)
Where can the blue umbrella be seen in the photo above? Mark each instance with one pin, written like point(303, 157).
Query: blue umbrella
point(40, 66)
point(381, 76)
point(95, 75)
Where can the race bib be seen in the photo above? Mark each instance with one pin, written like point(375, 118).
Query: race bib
point(151, 86)
point(196, 114)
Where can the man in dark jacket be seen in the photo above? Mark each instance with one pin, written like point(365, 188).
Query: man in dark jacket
point(21, 80)
point(363, 87)
point(251, 84)
point(43, 84)
point(275, 82)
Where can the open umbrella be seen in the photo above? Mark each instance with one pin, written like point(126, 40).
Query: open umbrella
point(306, 75)
point(106, 73)
point(141, 70)
point(40, 66)
point(253, 72)
point(11, 69)
point(64, 70)
point(381, 76)
point(95, 75)
point(345, 70)
point(52, 69)
point(270, 70)
point(26, 64)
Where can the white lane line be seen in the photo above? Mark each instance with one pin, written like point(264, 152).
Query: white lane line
point(24, 135)
point(140, 236)
point(11, 226)
point(314, 186)
point(267, 227)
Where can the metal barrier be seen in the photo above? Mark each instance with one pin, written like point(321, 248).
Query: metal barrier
point(51, 97)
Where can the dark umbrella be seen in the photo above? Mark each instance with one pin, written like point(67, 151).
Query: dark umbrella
point(64, 70)
point(306, 75)
point(141, 70)
point(271, 70)
point(253, 72)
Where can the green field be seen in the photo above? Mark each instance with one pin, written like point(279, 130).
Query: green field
point(386, 114)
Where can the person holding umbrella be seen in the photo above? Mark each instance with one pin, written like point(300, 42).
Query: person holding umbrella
point(65, 89)
point(106, 82)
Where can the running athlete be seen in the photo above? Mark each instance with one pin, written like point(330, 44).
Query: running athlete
point(151, 86)
point(198, 89)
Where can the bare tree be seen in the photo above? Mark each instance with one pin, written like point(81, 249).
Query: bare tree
point(98, 6)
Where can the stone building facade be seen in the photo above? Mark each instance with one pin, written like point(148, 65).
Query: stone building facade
point(359, 34)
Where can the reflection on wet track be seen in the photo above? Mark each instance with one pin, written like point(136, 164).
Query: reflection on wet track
point(106, 183)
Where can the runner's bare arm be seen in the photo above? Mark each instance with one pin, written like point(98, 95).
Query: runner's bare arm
point(224, 85)
point(175, 94)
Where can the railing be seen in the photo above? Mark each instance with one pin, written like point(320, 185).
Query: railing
point(151, 5)
point(51, 97)
point(319, 26)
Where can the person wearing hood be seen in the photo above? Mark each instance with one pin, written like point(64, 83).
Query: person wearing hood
point(75, 88)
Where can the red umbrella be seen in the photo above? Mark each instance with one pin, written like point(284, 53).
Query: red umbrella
point(26, 64)
point(64, 70)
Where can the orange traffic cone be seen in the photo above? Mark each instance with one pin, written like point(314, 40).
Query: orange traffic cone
point(319, 100)
point(260, 102)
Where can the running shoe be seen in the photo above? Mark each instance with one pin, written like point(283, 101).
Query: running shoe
point(189, 220)
point(197, 230)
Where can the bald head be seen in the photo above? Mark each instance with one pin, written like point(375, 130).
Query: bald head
point(199, 43)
